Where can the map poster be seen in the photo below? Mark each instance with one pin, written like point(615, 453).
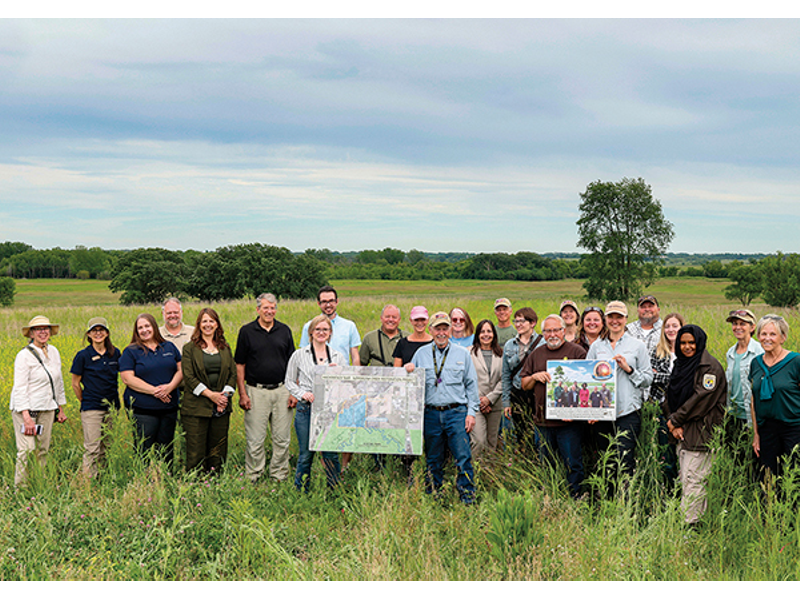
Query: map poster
point(582, 390)
point(377, 410)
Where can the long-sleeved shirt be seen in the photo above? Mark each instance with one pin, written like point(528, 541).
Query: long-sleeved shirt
point(630, 386)
point(300, 370)
point(513, 354)
point(740, 395)
point(459, 381)
point(32, 389)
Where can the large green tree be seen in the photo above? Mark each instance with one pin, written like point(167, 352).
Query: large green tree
point(780, 275)
point(148, 275)
point(625, 231)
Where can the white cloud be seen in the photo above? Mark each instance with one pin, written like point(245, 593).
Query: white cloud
point(439, 134)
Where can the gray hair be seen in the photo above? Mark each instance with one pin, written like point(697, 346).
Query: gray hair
point(557, 318)
point(171, 300)
point(388, 306)
point(268, 297)
point(777, 320)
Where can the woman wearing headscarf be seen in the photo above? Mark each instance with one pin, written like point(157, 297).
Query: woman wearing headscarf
point(694, 407)
point(37, 396)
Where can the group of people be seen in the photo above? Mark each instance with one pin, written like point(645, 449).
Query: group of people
point(480, 381)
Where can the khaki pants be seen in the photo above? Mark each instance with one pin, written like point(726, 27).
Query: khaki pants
point(95, 424)
point(694, 467)
point(484, 435)
point(30, 443)
point(268, 409)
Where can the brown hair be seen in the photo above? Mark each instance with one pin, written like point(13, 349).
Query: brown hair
point(219, 334)
point(157, 337)
point(527, 313)
point(476, 343)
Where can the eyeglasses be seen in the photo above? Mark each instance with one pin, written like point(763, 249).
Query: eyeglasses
point(328, 301)
point(520, 321)
point(458, 320)
point(550, 331)
point(322, 329)
point(592, 308)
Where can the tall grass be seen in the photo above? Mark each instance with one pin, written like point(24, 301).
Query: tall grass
point(140, 522)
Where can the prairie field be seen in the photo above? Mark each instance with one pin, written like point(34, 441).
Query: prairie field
point(140, 522)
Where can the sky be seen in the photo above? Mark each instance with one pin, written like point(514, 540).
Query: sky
point(443, 135)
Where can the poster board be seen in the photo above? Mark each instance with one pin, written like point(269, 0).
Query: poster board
point(582, 390)
point(376, 410)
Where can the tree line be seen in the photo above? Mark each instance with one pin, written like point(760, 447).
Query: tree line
point(232, 272)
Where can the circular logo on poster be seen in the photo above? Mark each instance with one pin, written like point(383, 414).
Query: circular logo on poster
point(602, 370)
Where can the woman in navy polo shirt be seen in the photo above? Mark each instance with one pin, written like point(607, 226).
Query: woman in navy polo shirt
point(151, 369)
point(95, 371)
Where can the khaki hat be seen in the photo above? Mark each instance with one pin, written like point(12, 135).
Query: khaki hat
point(40, 321)
point(95, 321)
point(742, 314)
point(568, 303)
point(439, 318)
point(616, 308)
point(502, 302)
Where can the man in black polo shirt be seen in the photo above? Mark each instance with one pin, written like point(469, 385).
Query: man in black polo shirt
point(262, 353)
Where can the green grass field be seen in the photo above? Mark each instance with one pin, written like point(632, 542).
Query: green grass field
point(140, 523)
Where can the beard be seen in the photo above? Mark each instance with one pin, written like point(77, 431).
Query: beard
point(554, 344)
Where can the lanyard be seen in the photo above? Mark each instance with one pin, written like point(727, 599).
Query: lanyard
point(327, 351)
point(437, 369)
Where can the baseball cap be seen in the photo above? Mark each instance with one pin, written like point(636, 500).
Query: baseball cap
point(616, 307)
point(439, 318)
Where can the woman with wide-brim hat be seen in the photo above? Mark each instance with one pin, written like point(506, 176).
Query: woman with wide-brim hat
point(38, 397)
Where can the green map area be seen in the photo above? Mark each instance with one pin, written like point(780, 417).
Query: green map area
point(376, 410)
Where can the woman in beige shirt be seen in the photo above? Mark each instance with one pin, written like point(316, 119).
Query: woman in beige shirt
point(487, 356)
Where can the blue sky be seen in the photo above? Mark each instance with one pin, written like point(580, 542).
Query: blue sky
point(441, 135)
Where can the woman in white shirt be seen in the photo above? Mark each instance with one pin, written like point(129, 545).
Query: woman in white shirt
point(300, 383)
point(38, 394)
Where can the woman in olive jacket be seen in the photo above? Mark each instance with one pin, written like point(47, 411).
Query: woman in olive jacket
point(209, 379)
point(694, 407)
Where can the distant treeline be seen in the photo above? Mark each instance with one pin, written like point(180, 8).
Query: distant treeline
point(22, 261)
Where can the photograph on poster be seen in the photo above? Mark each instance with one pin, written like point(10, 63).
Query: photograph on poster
point(582, 390)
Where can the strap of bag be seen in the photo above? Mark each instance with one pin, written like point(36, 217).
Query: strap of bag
point(39, 358)
point(531, 348)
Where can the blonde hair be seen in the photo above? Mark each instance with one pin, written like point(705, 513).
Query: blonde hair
point(316, 321)
point(778, 321)
point(663, 349)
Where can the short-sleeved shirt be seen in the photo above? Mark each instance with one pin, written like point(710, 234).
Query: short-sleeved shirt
point(181, 338)
point(344, 337)
point(377, 349)
point(505, 334)
point(406, 348)
point(264, 354)
point(99, 375)
point(156, 367)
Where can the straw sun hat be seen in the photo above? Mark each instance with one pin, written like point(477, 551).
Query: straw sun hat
point(40, 321)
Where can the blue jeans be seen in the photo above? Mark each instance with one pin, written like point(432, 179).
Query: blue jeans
point(305, 457)
point(567, 441)
point(445, 429)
